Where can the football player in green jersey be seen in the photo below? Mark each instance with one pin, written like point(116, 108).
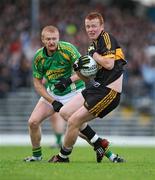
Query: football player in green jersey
point(53, 62)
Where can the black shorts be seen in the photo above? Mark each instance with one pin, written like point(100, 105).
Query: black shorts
point(100, 100)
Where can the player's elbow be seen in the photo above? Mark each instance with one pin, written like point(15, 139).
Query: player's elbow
point(37, 83)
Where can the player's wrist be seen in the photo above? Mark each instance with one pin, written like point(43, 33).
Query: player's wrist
point(76, 67)
point(56, 105)
point(69, 81)
point(91, 53)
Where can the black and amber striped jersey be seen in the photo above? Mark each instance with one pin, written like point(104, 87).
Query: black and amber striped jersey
point(107, 46)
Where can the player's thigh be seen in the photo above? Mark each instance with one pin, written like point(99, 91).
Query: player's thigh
point(41, 111)
point(73, 105)
point(57, 121)
point(80, 117)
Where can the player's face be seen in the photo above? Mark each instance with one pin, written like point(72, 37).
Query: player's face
point(93, 28)
point(50, 40)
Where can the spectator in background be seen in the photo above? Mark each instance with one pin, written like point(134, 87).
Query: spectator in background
point(5, 81)
point(148, 74)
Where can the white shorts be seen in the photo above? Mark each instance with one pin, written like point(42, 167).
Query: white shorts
point(63, 99)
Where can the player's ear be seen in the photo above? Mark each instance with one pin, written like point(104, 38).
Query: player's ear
point(42, 39)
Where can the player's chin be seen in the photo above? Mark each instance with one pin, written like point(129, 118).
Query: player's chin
point(92, 37)
point(52, 48)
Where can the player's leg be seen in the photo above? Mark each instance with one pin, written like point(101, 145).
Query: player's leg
point(103, 106)
point(58, 125)
point(100, 145)
point(73, 126)
point(86, 132)
point(40, 113)
point(71, 106)
point(58, 122)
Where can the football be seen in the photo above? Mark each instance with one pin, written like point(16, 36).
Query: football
point(92, 68)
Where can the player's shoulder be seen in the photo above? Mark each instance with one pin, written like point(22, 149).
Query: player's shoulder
point(39, 53)
point(65, 45)
point(108, 39)
point(107, 35)
point(67, 48)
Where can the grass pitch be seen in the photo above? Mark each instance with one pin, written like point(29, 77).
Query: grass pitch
point(140, 165)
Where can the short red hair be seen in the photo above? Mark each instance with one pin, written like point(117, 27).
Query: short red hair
point(95, 15)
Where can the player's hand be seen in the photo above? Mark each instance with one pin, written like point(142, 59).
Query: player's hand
point(57, 105)
point(79, 64)
point(91, 49)
point(95, 48)
point(63, 84)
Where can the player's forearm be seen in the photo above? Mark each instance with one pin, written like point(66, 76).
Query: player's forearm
point(107, 63)
point(41, 90)
point(74, 77)
point(85, 79)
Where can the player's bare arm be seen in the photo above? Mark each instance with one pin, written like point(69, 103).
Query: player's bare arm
point(41, 90)
point(74, 77)
point(84, 78)
point(107, 63)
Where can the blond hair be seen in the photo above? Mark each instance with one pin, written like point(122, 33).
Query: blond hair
point(49, 28)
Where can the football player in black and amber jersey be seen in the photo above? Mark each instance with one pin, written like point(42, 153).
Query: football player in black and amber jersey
point(99, 98)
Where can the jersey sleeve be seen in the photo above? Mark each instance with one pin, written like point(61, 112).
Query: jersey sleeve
point(108, 47)
point(74, 53)
point(37, 66)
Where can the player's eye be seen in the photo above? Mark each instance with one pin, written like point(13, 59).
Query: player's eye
point(48, 39)
point(54, 39)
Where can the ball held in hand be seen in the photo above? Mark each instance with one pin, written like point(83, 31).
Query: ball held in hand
point(90, 68)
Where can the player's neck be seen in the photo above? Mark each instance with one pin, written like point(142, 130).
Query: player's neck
point(49, 53)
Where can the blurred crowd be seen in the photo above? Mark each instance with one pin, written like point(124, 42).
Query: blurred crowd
point(18, 42)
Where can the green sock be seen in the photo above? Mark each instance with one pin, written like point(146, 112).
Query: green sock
point(58, 138)
point(37, 152)
point(108, 153)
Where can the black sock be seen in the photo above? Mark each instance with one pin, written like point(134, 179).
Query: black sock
point(97, 143)
point(64, 152)
point(88, 132)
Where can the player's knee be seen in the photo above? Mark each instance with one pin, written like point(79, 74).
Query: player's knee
point(65, 114)
point(33, 123)
point(73, 122)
